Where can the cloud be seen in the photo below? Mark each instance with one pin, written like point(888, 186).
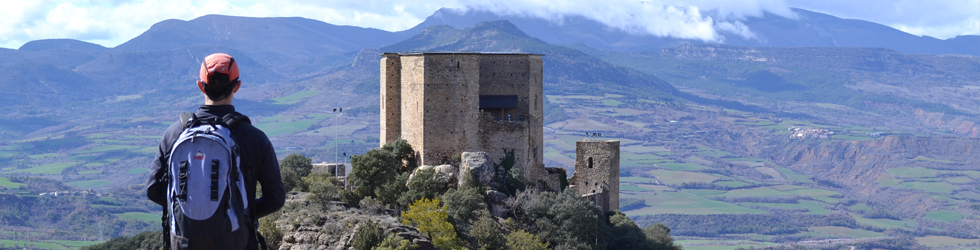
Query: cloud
point(691, 19)
point(940, 19)
point(112, 22)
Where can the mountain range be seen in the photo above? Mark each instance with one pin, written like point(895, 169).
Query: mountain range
point(887, 119)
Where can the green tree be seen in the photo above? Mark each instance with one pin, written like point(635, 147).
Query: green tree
point(372, 170)
point(391, 191)
point(659, 235)
point(431, 219)
point(425, 184)
point(293, 168)
point(404, 155)
point(395, 242)
point(487, 233)
point(463, 204)
point(323, 187)
point(565, 220)
point(368, 236)
point(522, 240)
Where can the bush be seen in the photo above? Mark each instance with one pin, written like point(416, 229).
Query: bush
point(659, 235)
point(626, 204)
point(564, 219)
point(431, 219)
point(293, 168)
point(391, 191)
point(463, 204)
point(372, 170)
point(522, 240)
point(323, 187)
point(404, 155)
point(488, 234)
point(425, 184)
point(144, 240)
point(395, 242)
point(350, 197)
point(269, 230)
point(368, 236)
point(371, 205)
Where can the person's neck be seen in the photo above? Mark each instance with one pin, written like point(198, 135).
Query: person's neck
point(226, 101)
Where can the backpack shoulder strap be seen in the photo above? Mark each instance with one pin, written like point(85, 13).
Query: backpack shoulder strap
point(234, 117)
point(187, 119)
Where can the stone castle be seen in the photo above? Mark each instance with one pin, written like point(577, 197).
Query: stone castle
point(444, 104)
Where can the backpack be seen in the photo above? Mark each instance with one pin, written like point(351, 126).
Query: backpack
point(206, 203)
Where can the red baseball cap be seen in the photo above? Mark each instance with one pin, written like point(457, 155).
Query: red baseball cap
point(219, 63)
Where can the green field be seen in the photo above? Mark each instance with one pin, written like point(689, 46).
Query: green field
point(148, 217)
point(5, 182)
point(757, 192)
point(913, 172)
point(959, 180)
point(936, 241)
point(817, 194)
point(89, 184)
point(42, 156)
point(886, 180)
point(682, 166)
point(793, 176)
point(630, 187)
point(31, 245)
point(933, 187)
point(684, 203)
point(85, 172)
point(109, 148)
point(679, 177)
point(285, 127)
point(76, 244)
point(886, 223)
point(945, 216)
point(295, 97)
point(634, 179)
point(53, 168)
point(612, 103)
point(135, 171)
point(734, 184)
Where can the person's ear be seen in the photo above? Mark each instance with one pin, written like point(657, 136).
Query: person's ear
point(200, 85)
point(238, 84)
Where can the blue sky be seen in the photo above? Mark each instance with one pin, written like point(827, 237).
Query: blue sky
point(112, 22)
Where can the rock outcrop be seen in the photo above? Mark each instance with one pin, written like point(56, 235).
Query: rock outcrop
point(479, 165)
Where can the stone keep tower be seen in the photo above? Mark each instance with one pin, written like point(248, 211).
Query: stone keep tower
point(597, 172)
point(448, 103)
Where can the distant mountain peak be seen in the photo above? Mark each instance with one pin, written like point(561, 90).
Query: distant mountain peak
point(65, 44)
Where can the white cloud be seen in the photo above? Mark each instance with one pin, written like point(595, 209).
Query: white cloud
point(941, 19)
point(112, 22)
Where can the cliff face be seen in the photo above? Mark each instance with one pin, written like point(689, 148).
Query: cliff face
point(858, 165)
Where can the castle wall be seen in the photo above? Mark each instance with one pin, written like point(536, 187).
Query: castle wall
point(412, 94)
point(450, 106)
point(391, 114)
point(602, 174)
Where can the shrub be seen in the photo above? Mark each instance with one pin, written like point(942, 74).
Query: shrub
point(463, 204)
point(395, 242)
point(367, 236)
point(488, 234)
point(372, 170)
point(659, 235)
point(522, 240)
point(404, 155)
point(564, 219)
point(269, 230)
point(293, 168)
point(431, 219)
point(424, 184)
point(350, 197)
point(323, 187)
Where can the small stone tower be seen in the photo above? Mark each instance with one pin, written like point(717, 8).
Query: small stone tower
point(597, 172)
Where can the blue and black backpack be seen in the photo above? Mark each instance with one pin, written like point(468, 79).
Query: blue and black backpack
point(206, 203)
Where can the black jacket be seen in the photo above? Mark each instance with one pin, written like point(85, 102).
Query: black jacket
point(258, 163)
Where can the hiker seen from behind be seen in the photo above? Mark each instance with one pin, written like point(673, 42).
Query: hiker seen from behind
point(208, 166)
